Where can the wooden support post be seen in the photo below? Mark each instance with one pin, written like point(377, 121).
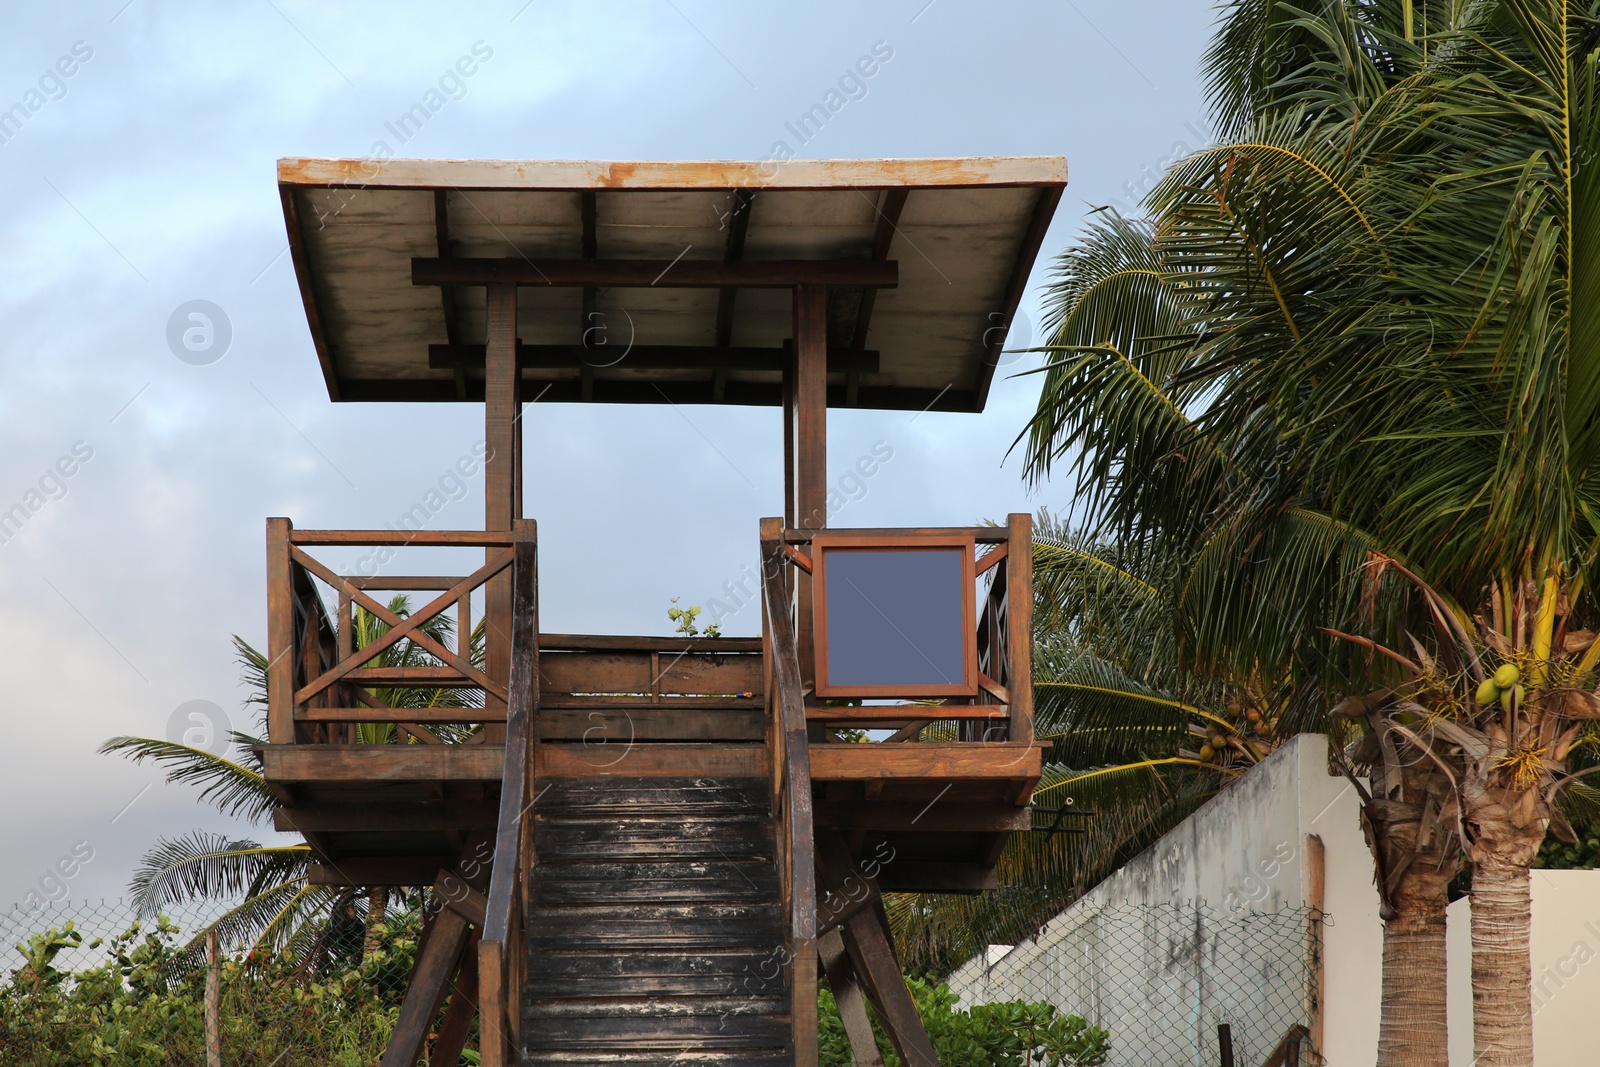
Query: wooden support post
point(213, 1001)
point(1019, 626)
point(500, 470)
point(866, 937)
point(453, 1031)
point(810, 446)
point(280, 635)
point(438, 963)
point(1315, 877)
point(848, 996)
point(496, 1045)
point(1225, 1044)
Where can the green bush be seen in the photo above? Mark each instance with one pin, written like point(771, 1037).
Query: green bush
point(1012, 1034)
point(141, 1008)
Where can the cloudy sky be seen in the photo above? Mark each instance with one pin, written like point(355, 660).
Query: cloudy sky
point(137, 173)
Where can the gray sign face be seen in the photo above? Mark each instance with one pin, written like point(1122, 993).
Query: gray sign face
point(895, 617)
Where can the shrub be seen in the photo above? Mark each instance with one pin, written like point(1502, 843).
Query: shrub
point(1012, 1034)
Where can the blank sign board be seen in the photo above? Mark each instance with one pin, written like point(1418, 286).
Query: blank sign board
point(894, 619)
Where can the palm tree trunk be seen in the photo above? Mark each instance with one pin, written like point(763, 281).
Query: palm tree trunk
point(1413, 1031)
point(1502, 970)
point(377, 905)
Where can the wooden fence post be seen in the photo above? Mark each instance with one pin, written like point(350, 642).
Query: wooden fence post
point(1225, 1044)
point(280, 635)
point(1019, 625)
point(213, 1001)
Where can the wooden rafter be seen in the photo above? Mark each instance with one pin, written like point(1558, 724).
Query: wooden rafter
point(650, 357)
point(447, 293)
point(655, 273)
point(733, 252)
point(893, 202)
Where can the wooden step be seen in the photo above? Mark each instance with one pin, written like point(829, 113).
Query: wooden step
point(661, 759)
point(564, 839)
point(644, 883)
point(655, 933)
point(658, 1058)
point(645, 927)
point(607, 973)
point(676, 1032)
point(667, 797)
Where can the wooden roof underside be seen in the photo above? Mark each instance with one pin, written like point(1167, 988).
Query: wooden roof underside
point(964, 233)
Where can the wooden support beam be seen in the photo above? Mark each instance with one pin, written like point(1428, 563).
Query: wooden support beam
point(648, 357)
point(502, 405)
point(738, 222)
point(1019, 626)
point(871, 952)
point(391, 816)
point(1003, 761)
point(300, 257)
point(664, 760)
point(437, 965)
point(1044, 210)
point(656, 273)
point(398, 715)
point(447, 293)
point(851, 1000)
point(457, 1023)
point(280, 635)
point(918, 816)
point(377, 870)
point(891, 203)
point(810, 445)
point(383, 763)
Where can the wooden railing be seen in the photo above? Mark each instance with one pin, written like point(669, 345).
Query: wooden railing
point(501, 952)
point(586, 670)
point(791, 794)
point(321, 678)
point(1002, 711)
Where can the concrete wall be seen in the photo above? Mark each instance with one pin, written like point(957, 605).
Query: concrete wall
point(1566, 976)
point(1192, 931)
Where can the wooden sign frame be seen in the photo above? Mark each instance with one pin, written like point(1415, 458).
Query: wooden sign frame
point(822, 541)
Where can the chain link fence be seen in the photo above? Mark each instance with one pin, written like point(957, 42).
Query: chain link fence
point(95, 983)
point(1162, 978)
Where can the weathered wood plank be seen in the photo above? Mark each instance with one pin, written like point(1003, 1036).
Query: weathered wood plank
point(872, 957)
point(615, 643)
point(854, 174)
point(383, 763)
point(927, 761)
point(654, 273)
point(410, 816)
point(437, 964)
point(649, 357)
point(654, 723)
point(1019, 626)
point(377, 870)
point(655, 760)
point(620, 973)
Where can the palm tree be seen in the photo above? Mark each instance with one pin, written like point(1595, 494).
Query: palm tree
point(1136, 740)
point(277, 909)
point(1349, 372)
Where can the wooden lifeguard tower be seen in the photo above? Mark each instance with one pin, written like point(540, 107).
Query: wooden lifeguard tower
point(647, 845)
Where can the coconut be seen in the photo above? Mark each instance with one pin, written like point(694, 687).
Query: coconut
point(1206, 753)
point(1510, 696)
point(1507, 675)
point(1488, 692)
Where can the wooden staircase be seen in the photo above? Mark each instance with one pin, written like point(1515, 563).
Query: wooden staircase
point(655, 924)
point(655, 931)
